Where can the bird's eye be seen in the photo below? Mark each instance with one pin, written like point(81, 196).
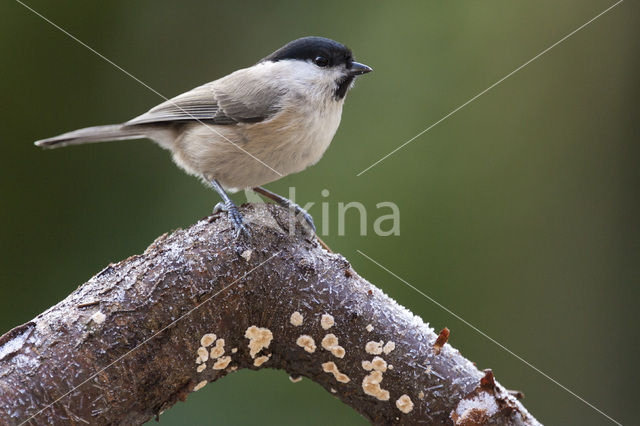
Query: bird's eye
point(321, 61)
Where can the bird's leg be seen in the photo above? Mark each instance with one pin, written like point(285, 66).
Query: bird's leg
point(231, 209)
point(284, 202)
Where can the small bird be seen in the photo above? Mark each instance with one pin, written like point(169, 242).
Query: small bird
point(251, 127)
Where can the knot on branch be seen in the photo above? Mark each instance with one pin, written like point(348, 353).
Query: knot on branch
point(488, 402)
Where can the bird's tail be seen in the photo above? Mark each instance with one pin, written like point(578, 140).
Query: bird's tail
point(110, 132)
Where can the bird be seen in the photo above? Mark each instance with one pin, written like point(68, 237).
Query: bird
point(251, 127)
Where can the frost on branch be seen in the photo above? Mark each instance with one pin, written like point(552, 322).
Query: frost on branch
point(199, 304)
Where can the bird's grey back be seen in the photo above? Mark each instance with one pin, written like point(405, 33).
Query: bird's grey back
point(237, 98)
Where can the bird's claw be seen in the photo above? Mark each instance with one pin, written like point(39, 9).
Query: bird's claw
point(301, 213)
point(238, 223)
point(235, 216)
point(307, 217)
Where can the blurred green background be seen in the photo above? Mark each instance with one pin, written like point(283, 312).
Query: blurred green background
point(519, 212)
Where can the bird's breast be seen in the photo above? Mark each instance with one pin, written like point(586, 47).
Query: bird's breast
point(253, 154)
point(296, 137)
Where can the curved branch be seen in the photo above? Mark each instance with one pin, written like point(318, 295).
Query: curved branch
point(198, 304)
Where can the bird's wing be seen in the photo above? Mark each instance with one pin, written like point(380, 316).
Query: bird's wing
point(230, 100)
point(197, 104)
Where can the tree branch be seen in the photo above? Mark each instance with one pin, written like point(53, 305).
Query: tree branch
point(198, 304)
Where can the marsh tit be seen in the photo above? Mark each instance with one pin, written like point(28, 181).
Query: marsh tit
point(251, 127)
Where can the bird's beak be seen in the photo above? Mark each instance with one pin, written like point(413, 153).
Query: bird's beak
point(358, 69)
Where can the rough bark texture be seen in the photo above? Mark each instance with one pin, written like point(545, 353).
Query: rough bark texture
point(225, 286)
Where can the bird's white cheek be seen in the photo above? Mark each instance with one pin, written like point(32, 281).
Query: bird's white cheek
point(310, 79)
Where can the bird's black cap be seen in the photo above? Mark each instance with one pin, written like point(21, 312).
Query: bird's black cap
point(309, 48)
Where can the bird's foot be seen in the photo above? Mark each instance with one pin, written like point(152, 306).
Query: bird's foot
point(235, 216)
point(297, 211)
point(302, 214)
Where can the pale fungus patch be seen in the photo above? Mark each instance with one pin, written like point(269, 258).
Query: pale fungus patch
point(295, 379)
point(222, 363)
point(259, 338)
point(98, 317)
point(306, 342)
point(207, 339)
point(338, 351)
point(199, 385)
point(234, 350)
point(331, 367)
point(333, 390)
point(379, 364)
point(203, 353)
point(371, 386)
point(330, 343)
point(261, 360)
point(246, 255)
point(404, 404)
point(369, 328)
point(388, 347)
point(218, 350)
point(373, 348)
point(296, 319)
point(421, 395)
point(201, 368)
point(327, 321)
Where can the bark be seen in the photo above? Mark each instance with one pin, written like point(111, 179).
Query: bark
point(124, 346)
